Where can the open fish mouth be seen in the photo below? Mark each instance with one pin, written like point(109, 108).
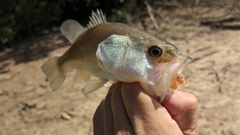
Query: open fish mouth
point(168, 77)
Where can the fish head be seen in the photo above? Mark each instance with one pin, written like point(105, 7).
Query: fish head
point(167, 61)
point(151, 62)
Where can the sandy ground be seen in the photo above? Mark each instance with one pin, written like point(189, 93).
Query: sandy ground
point(29, 107)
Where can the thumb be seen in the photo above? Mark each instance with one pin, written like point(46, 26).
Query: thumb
point(182, 107)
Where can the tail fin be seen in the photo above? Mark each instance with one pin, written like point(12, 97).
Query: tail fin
point(53, 72)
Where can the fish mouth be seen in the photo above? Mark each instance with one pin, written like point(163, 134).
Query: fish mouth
point(166, 78)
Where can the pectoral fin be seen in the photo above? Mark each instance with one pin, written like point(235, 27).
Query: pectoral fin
point(108, 84)
point(93, 84)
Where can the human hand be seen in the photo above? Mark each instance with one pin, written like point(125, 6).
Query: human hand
point(127, 109)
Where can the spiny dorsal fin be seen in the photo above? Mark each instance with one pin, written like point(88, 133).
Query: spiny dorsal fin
point(71, 29)
point(97, 18)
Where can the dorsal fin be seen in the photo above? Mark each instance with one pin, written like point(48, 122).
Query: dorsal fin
point(97, 18)
point(71, 29)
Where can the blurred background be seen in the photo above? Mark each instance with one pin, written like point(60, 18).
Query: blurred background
point(208, 31)
point(23, 18)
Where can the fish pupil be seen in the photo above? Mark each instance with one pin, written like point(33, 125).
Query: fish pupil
point(155, 51)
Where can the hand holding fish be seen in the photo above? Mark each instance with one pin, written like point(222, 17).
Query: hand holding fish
point(127, 109)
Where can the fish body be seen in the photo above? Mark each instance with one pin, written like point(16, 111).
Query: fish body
point(115, 51)
point(83, 50)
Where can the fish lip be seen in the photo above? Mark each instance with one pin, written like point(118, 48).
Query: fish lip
point(175, 67)
point(185, 61)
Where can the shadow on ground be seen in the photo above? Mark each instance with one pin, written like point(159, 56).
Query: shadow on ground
point(30, 50)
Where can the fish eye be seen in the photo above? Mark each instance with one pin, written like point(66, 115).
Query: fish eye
point(155, 51)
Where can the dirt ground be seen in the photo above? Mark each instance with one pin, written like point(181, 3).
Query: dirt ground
point(209, 33)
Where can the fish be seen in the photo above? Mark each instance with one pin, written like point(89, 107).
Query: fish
point(112, 51)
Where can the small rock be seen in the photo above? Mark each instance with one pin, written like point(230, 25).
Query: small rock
point(27, 106)
point(71, 113)
point(65, 116)
point(44, 86)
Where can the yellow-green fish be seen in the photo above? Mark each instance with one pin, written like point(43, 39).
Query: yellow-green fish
point(117, 52)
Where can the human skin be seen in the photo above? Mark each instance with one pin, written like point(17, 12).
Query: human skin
point(128, 110)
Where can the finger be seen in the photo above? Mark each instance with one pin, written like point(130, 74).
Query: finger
point(146, 114)
point(112, 87)
point(183, 108)
point(108, 115)
point(122, 123)
point(98, 127)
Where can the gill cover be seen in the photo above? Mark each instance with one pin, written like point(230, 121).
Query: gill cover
point(123, 58)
